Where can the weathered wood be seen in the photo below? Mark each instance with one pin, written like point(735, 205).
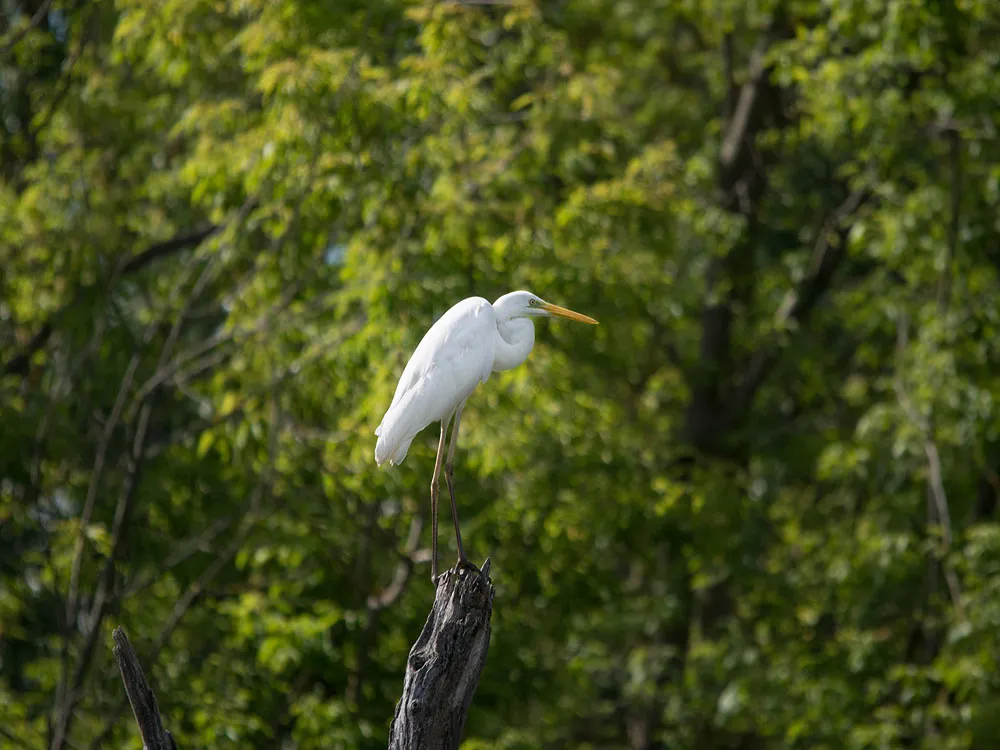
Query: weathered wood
point(442, 671)
point(444, 665)
point(140, 695)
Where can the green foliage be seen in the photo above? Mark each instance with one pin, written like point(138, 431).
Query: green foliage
point(716, 520)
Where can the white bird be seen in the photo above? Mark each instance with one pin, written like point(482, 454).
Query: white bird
point(465, 345)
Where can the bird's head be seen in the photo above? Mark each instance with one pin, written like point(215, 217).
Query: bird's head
point(527, 305)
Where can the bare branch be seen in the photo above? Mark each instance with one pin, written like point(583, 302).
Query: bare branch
point(736, 137)
point(799, 303)
point(68, 693)
point(66, 76)
point(935, 476)
point(388, 596)
point(71, 693)
point(14, 738)
point(73, 593)
point(168, 247)
point(250, 519)
point(18, 364)
point(184, 551)
point(313, 352)
point(741, 180)
point(250, 515)
point(954, 224)
point(167, 371)
point(7, 44)
point(95, 478)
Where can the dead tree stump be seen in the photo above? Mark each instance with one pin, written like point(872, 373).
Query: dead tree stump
point(444, 665)
point(140, 695)
point(442, 671)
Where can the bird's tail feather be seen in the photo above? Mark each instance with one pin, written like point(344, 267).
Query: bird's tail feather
point(399, 427)
point(400, 453)
point(382, 449)
point(394, 454)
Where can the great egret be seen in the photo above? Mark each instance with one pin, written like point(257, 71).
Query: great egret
point(467, 343)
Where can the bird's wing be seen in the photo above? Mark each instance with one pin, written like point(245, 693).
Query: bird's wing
point(453, 357)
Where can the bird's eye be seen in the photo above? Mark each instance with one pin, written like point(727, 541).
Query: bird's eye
point(531, 302)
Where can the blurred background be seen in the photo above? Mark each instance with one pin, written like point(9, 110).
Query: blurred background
point(755, 508)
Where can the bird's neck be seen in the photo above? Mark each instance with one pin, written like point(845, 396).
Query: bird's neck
point(515, 339)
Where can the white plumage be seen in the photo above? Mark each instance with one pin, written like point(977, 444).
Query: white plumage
point(452, 358)
point(467, 343)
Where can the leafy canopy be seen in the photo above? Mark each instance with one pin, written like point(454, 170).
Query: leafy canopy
point(756, 507)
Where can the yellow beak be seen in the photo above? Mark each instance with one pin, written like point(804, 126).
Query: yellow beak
point(562, 312)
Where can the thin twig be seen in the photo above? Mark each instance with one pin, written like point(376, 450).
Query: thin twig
point(72, 694)
point(313, 353)
point(263, 485)
point(185, 550)
point(250, 517)
point(7, 44)
point(69, 694)
point(388, 596)
point(66, 76)
point(18, 364)
point(95, 478)
point(222, 338)
point(935, 478)
point(800, 302)
point(954, 224)
point(73, 593)
point(15, 739)
point(735, 137)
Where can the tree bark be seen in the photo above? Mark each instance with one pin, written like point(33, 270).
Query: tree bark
point(140, 695)
point(442, 671)
point(444, 665)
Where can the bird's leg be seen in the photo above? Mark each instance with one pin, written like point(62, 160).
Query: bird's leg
point(449, 475)
point(434, 500)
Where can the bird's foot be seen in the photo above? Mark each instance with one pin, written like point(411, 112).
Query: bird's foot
point(483, 573)
point(442, 576)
